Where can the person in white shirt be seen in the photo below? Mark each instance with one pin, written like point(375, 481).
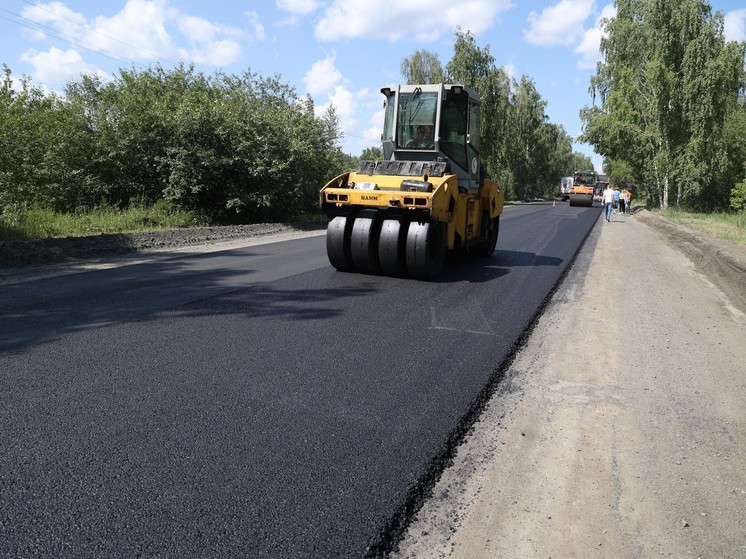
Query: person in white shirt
point(608, 201)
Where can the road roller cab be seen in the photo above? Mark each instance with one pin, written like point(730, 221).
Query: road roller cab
point(400, 215)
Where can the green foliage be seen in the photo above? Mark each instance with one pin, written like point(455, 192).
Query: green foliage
point(372, 153)
point(577, 162)
point(738, 196)
point(730, 226)
point(40, 223)
point(521, 149)
point(232, 148)
point(668, 90)
point(39, 135)
point(422, 67)
point(622, 174)
point(475, 67)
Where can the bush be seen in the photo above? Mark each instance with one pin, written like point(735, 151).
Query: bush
point(37, 223)
point(231, 149)
point(738, 196)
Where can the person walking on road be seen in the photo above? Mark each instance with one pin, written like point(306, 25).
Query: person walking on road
point(608, 197)
point(615, 203)
point(623, 202)
point(628, 198)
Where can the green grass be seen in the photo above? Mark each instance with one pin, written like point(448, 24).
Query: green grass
point(38, 223)
point(727, 226)
point(34, 224)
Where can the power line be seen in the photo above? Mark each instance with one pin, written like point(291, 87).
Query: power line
point(86, 26)
point(74, 42)
point(78, 43)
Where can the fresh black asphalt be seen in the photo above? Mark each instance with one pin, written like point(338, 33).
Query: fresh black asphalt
point(253, 402)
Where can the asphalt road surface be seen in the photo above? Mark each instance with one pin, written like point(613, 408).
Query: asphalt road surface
point(252, 402)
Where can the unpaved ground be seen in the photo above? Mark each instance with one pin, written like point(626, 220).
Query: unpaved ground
point(41, 252)
point(620, 429)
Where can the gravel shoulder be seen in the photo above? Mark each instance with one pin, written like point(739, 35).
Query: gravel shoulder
point(16, 255)
point(620, 428)
point(40, 258)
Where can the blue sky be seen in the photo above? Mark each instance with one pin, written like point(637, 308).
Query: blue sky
point(338, 51)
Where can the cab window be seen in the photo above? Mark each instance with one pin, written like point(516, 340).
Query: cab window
point(453, 127)
point(417, 120)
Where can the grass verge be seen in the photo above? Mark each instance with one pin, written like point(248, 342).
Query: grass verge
point(39, 223)
point(727, 226)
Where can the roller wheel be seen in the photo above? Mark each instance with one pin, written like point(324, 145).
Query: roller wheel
point(391, 248)
point(491, 228)
point(364, 242)
point(426, 249)
point(338, 245)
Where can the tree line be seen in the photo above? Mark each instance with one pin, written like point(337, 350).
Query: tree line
point(521, 149)
point(230, 148)
point(236, 148)
point(668, 115)
point(669, 111)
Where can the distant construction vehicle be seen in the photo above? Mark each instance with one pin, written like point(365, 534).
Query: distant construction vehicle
point(602, 181)
point(583, 187)
point(429, 195)
point(565, 186)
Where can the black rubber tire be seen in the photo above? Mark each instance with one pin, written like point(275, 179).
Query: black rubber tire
point(364, 242)
point(338, 244)
point(426, 249)
point(487, 246)
point(391, 245)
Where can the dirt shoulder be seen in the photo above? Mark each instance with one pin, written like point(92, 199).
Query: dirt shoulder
point(722, 262)
point(42, 252)
point(620, 428)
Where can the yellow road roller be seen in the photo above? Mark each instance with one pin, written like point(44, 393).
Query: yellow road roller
point(429, 195)
point(582, 190)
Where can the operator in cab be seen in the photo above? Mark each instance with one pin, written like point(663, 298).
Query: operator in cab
point(423, 138)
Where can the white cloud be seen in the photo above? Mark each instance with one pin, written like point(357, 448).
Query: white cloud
point(735, 25)
point(359, 136)
point(147, 30)
point(322, 78)
point(57, 14)
point(589, 45)
point(298, 7)
point(422, 21)
point(138, 32)
point(346, 105)
point(56, 66)
point(327, 86)
point(564, 24)
point(295, 10)
point(511, 71)
point(560, 24)
point(372, 135)
point(207, 41)
point(197, 29)
point(256, 26)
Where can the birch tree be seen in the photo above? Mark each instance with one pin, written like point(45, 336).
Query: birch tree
point(665, 87)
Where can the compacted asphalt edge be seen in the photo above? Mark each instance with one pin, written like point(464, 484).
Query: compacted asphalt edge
point(396, 527)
